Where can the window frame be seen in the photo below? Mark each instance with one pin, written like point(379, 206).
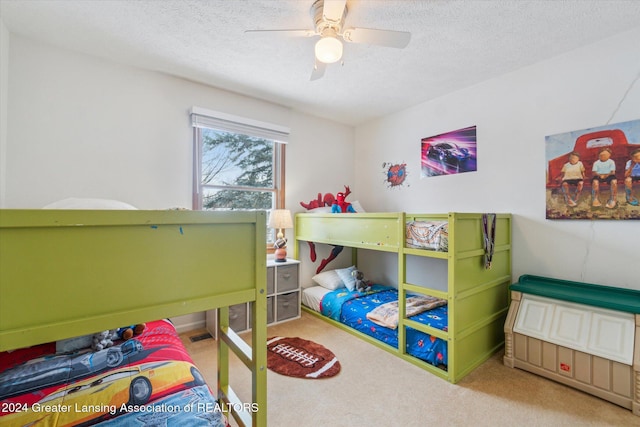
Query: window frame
point(279, 152)
point(207, 119)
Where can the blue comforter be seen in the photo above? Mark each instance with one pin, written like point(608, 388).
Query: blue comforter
point(351, 308)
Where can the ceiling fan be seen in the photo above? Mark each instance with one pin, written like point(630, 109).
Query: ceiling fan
point(329, 16)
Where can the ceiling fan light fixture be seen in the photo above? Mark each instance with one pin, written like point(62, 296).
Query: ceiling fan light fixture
point(328, 50)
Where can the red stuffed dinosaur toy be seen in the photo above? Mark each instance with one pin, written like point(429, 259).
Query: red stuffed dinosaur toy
point(320, 202)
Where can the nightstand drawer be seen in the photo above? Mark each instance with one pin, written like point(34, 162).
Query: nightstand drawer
point(287, 278)
point(270, 310)
point(283, 298)
point(271, 281)
point(288, 306)
point(238, 317)
point(270, 317)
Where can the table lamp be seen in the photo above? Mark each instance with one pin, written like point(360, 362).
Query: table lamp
point(280, 219)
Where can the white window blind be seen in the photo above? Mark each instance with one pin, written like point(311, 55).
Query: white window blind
point(203, 118)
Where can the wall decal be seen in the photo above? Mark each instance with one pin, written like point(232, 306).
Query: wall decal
point(449, 153)
point(395, 174)
point(594, 173)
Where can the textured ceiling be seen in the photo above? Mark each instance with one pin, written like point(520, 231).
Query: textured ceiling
point(454, 44)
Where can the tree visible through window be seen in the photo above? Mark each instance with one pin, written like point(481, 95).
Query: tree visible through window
point(238, 162)
point(238, 171)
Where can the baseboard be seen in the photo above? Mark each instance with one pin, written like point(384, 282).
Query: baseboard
point(189, 326)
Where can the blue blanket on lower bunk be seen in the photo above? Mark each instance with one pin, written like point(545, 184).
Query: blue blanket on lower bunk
point(351, 308)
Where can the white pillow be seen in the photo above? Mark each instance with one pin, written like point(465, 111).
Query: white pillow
point(323, 209)
point(75, 203)
point(329, 280)
point(357, 207)
point(346, 277)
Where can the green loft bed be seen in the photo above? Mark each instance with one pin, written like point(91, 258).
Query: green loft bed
point(478, 298)
point(67, 273)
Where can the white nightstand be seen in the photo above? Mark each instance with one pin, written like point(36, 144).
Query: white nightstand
point(283, 298)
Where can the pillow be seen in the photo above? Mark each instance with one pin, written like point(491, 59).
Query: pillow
point(357, 207)
point(329, 280)
point(323, 209)
point(346, 277)
point(74, 203)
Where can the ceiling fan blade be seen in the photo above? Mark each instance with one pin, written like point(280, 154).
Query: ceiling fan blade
point(388, 38)
point(318, 70)
point(287, 33)
point(333, 10)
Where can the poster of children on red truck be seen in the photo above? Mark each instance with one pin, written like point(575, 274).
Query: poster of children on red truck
point(594, 173)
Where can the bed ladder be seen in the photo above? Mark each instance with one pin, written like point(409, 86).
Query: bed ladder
point(255, 359)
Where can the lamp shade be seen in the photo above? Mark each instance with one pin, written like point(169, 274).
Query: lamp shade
point(328, 50)
point(280, 218)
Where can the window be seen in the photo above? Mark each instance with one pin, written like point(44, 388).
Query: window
point(600, 142)
point(239, 163)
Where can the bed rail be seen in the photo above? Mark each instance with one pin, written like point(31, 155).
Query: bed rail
point(377, 231)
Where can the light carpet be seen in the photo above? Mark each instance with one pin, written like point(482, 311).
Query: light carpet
point(374, 388)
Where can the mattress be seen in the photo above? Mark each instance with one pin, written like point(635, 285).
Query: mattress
point(147, 380)
point(351, 308)
point(312, 297)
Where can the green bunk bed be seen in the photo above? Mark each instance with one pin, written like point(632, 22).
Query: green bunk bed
point(477, 297)
point(68, 273)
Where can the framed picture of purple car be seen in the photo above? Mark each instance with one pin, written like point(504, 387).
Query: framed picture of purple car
point(594, 173)
point(449, 153)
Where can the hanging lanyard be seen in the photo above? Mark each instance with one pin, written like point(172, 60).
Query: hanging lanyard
point(489, 235)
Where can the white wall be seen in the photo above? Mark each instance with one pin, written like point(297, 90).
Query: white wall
point(585, 88)
point(79, 126)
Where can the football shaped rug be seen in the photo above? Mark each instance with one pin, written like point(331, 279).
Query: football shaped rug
point(297, 357)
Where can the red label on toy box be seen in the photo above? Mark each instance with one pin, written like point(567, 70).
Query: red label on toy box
point(565, 367)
